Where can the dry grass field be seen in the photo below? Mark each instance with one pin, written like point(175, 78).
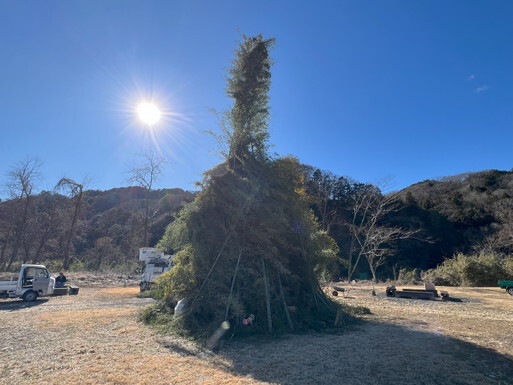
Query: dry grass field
point(94, 338)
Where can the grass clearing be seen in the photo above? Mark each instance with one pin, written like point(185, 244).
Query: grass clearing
point(146, 369)
point(483, 317)
point(120, 292)
point(94, 338)
point(82, 319)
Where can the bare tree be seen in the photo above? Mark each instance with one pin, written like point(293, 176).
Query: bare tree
point(20, 185)
point(361, 218)
point(372, 239)
point(501, 240)
point(75, 191)
point(146, 174)
point(6, 227)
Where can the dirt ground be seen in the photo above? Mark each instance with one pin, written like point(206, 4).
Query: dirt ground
point(95, 338)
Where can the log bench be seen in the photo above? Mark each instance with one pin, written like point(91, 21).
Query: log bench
point(429, 292)
point(415, 294)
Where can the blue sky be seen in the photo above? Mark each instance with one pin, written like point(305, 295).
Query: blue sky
point(412, 90)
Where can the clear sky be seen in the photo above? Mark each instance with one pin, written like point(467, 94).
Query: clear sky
point(368, 89)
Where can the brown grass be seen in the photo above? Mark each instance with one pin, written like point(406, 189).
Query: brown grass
point(484, 317)
point(83, 319)
point(94, 338)
point(120, 291)
point(145, 369)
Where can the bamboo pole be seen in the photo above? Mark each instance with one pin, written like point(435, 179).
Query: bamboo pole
point(285, 307)
point(337, 317)
point(267, 297)
point(233, 284)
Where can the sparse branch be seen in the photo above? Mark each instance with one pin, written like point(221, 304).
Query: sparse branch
point(145, 175)
point(75, 191)
point(20, 185)
point(148, 171)
point(371, 238)
point(22, 178)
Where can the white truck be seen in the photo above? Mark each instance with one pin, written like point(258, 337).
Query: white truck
point(155, 263)
point(32, 281)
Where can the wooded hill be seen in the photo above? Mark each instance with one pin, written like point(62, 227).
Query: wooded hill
point(107, 235)
point(464, 213)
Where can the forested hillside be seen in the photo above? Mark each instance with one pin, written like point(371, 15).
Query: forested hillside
point(107, 234)
point(463, 213)
point(466, 213)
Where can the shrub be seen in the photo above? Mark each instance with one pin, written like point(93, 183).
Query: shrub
point(158, 315)
point(483, 269)
point(407, 276)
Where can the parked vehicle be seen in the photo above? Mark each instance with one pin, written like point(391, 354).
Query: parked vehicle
point(508, 285)
point(32, 281)
point(155, 263)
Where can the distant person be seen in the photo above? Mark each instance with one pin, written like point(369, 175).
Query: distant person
point(60, 280)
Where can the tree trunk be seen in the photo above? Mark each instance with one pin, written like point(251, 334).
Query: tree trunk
point(395, 272)
point(41, 245)
point(19, 234)
point(373, 271)
point(146, 214)
point(26, 256)
point(2, 255)
point(67, 258)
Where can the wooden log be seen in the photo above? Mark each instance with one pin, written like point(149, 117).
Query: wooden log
point(435, 293)
point(60, 291)
point(414, 294)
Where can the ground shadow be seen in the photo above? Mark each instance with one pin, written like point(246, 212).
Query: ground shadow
point(178, 347)
point(17, 304)
point(373, 353)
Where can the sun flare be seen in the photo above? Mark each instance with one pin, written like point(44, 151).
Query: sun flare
point(148, 113)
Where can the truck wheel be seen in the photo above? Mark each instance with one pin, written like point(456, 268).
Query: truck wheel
point(510, 290)
point(30, 296)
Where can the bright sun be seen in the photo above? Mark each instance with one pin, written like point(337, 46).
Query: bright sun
point(148, 113)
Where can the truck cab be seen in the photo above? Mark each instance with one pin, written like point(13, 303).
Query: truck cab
point(33, 281)
point(508, 285)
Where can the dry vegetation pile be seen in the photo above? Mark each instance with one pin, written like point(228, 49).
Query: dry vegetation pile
point(94, 338)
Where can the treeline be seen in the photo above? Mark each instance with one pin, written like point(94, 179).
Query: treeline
point(378, 235)
point(75, 229)
point(470, 213)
